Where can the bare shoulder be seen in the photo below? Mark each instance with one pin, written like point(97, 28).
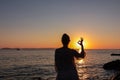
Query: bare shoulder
point(61, 50)
point(73, 50)
point(58, 49)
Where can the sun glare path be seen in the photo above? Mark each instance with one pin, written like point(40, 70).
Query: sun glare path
point(81, 61)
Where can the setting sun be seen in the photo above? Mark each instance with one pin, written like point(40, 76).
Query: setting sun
point(74, 44)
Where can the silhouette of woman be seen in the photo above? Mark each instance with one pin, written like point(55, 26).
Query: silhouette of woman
point(64, 60)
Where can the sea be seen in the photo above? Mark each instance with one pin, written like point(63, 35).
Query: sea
point(38, 64)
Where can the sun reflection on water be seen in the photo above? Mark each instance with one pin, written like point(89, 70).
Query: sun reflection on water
point(82, 71)
point(81, 61)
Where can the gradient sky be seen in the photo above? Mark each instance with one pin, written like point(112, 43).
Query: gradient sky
point(41, 23)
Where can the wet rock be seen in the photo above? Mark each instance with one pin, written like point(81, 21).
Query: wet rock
point(117, 77)
point(113, 65)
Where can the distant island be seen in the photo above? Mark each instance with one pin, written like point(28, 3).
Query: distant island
point(27, 49)
point(10, 49)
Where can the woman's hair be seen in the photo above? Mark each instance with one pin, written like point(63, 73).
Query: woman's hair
point(65, 39)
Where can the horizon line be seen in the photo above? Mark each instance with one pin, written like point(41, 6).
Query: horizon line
point(56, 48)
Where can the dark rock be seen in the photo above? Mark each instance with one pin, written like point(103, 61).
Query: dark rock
point(117, 77)
point(113, 65)
point(115, 54)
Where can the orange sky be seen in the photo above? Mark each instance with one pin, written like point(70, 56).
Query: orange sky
point(40, 24)
point(90, 42)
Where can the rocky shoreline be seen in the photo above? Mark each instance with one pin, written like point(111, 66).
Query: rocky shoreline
point(113, 65)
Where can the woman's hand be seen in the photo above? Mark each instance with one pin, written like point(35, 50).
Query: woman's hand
point(80, 42)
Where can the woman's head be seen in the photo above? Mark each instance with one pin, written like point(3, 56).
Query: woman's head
point(65, 39)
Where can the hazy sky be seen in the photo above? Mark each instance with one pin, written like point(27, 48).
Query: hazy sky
point(41, 23)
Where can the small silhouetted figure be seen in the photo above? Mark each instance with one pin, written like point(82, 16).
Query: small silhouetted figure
point(64, 60)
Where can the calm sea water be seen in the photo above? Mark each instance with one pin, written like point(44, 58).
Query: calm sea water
point(36, 64)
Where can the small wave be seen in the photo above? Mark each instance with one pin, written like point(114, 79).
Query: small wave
point(26, 73)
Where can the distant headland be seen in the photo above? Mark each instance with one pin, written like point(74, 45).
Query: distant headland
point(27, 48)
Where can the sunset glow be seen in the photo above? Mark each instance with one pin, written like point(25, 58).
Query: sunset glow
point(40, 24)
point(74, 44)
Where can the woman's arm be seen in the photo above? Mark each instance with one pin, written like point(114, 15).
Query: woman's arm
point(82, 54)
point(82, 51)
point(55, 61)
point(55, 68)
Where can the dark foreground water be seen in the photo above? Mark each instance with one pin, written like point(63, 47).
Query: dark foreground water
point(39, 64)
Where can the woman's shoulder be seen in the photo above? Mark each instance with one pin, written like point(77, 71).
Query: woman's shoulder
point(57, 49)
point(65, 49)
point(73, 50)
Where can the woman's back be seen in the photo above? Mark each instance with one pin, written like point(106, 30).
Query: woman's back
point(64, 59)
